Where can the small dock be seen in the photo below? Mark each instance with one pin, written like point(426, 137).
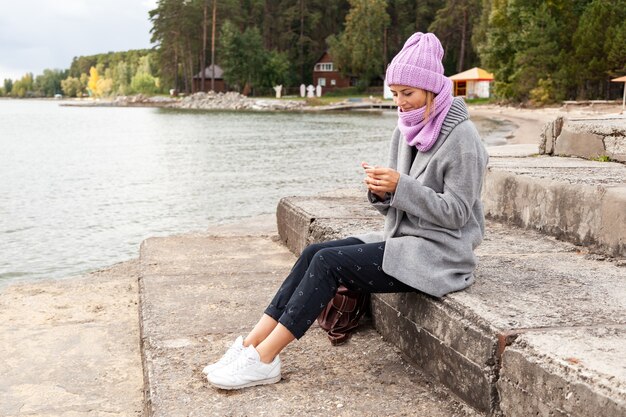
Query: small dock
point(355, 105)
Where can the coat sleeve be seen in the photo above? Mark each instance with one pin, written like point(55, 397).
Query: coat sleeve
point(452, 208)
point(383, 205)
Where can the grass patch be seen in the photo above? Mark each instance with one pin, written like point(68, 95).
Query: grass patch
point(602, 158)
point(479, 101)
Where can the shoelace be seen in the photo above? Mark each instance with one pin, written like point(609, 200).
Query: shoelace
point(231, 354)
point(242, 362)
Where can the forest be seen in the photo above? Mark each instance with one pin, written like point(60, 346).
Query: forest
point(540, 51)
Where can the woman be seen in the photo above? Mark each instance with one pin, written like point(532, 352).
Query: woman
point(430, 196)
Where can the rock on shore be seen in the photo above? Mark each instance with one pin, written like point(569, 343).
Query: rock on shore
point(233, 101)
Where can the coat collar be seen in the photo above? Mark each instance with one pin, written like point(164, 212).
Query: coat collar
point(457, 113)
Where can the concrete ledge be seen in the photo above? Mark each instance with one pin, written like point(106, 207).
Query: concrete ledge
point(457, 350)
point(590, 138)
point(548, 371)
point(583, 202)
point(299, 223)
point(199, 291)
point(527, 284)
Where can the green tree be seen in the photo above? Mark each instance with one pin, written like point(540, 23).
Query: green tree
point(453, 25)
point(242, 56)
point(359, 49)
point(408, 17)
point(599, 48)
point(528, 45)
point(49, 83)
point(177, 32)
point(277, 70)
point(72, 87)
point(8, 86)
point(24, 87)
point(121, 76)
point(84, 81)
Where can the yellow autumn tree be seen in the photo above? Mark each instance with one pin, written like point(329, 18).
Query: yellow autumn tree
point(104, 87)
point(92, 84)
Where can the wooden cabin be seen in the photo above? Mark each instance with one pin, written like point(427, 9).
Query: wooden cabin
point(220, 85)
point(326, 74)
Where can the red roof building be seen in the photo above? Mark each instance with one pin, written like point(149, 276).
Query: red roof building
point(325, 74)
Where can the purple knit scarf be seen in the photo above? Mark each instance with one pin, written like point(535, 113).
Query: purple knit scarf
point(421, 133)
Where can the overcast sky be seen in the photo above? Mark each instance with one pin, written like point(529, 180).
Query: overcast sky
point(39, 34)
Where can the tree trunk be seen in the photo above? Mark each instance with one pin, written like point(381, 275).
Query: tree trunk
point(204, 41)
point(301, 42)
point(461, 63)
point(213, 45)
point(384, 50)
point(267, 25)
point(176, 86)
point(190, 67)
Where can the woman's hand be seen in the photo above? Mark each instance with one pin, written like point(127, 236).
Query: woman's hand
point(381, 180)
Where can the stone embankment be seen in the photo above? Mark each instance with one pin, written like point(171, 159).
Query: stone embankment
point(541, 331)
point(198, 101)
point(233, 101)
point(597, 137)
point(139, 100)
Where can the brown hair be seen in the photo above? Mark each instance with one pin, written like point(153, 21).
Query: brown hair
point(430, 98)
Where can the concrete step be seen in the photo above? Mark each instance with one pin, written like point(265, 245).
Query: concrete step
point(589, 137)
point(198, 292)
point(581, 201)
point(540, 332)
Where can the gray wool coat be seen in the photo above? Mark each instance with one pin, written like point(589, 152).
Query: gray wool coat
point(434, 220)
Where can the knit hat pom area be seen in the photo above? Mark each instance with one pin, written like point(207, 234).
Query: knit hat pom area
point(418, 64)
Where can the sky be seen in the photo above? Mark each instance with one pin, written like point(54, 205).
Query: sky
point(39, 34)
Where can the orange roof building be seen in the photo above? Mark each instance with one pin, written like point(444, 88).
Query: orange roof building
point(622, 80)
point(473, 83)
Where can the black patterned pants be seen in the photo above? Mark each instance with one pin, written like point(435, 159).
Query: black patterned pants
point(317, 273)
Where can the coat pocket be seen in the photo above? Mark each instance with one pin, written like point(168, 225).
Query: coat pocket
point(423, 224)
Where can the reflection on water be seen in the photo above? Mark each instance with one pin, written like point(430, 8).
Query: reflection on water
point(82, 187)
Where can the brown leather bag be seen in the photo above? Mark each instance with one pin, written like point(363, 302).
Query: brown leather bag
point(341, 315)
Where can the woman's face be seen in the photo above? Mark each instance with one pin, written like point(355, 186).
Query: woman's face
point(408, 98)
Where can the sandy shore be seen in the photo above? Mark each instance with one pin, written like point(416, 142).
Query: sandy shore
point(530, 122)
point(70, 347)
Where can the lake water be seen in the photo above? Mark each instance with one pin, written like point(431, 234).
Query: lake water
point(80, 188)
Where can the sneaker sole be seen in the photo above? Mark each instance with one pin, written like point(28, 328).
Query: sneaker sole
point(267, 381)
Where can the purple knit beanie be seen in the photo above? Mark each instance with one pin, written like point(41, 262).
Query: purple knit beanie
point(418, 64)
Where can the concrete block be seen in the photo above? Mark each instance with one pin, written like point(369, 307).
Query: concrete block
point(550, 132)
point(569, 212)
point(575, 200)
point(513, 151)
point(612, 234)
point(567, 372)
point(293, 225)
point(457, 351)
point(616, 147)
point(583, 144)
point(299, 218)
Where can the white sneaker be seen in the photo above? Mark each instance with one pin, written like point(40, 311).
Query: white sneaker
point(246, 371)
point(229, 357)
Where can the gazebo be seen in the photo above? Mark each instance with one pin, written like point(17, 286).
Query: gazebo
point(472, 83)
point(622, 80)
